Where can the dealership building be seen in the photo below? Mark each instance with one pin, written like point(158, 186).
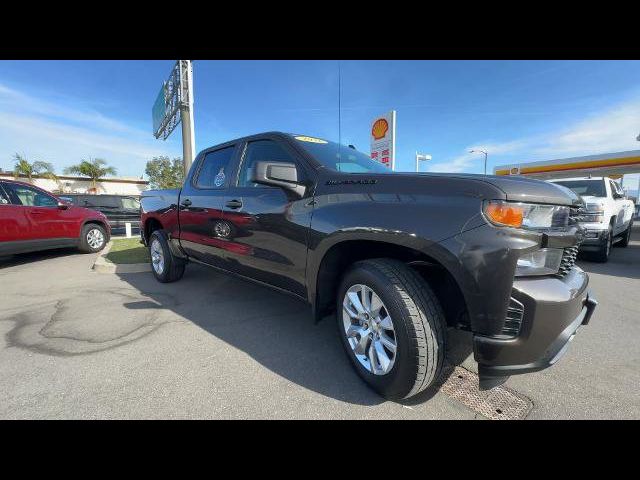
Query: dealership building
point(73, 184)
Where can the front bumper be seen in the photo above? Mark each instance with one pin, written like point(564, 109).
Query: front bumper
point(595, 237)
point(554, 309)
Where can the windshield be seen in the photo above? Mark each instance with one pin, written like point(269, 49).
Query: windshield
point(586, 188)
point(340, 158)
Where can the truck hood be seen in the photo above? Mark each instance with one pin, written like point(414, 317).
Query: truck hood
point(520, 189)
point(536, 191)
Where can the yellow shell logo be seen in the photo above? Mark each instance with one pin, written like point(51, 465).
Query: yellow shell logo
point(379, 129)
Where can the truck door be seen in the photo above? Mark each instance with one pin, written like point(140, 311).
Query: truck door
point(266, 227)
point(201, 203)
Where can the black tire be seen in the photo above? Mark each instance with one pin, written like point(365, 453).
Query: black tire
point(172, 267)
point(602, 255)
point(418, 321)
point(91, 233)
point(626, 238)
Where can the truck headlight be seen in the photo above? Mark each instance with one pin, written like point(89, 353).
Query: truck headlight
point(595, 213)
point(530, 216)
point(545, 261)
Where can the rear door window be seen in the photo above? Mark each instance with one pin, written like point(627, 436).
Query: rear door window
point(215, 169)
point(101, 201)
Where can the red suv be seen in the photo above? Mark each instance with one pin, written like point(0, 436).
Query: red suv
point(33, 219)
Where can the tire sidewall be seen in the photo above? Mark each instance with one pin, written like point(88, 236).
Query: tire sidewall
point(161, 238)
point(400, 379)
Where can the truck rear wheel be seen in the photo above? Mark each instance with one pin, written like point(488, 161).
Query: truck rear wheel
point(165, 266)
point(392, 327)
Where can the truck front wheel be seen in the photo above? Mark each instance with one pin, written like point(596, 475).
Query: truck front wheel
point(602, 255)
point(392, 327)
point(164, 265)
point(626, 238)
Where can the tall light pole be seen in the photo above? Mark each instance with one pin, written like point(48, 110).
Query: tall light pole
point(485, 158)
point(186, 115)
point(423, 157)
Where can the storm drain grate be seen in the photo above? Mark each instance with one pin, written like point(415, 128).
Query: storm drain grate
point(499, 403)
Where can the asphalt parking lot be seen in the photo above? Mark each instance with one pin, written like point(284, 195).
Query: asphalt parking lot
point(80, 344)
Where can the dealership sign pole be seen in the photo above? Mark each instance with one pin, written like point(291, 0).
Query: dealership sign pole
point(174, 104)
point(383, 139)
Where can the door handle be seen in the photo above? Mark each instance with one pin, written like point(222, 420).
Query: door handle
point(235, 204)
point(186, 202)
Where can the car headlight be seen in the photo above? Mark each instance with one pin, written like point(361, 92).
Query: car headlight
point(545, 261)
point(595, 213)
point(529, 216)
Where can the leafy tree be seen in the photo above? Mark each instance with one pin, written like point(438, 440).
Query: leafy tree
point(29, 169)
point(94, 169)
point(165, 173)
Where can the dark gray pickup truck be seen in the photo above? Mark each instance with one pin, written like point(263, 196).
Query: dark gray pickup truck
point(397, 257)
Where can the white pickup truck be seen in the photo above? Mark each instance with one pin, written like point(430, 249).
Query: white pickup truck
point(609, 216)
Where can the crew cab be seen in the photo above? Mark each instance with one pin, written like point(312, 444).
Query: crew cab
point(33, 219)
point(608, 218)
point(397, 257)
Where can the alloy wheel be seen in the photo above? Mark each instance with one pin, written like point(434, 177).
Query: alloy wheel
point(157, 257)
point(95, 238)
point(369, 329)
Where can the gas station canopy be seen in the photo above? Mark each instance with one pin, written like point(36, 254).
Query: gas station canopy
point(604, 165)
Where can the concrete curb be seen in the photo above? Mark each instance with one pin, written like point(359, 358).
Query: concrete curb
point(102, 265)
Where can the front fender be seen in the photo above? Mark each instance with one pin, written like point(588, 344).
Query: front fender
point(421, 246)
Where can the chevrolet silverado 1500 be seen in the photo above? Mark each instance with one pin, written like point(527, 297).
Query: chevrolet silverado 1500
point(608, 215)
point(397, 257)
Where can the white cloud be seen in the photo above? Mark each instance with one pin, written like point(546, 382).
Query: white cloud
point(65, 133)
point(612, 130)
point(609, 131)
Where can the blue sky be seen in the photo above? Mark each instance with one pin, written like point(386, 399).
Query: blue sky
point(64, 111)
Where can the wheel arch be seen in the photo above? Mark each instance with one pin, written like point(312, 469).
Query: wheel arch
point(150, 225)
point(95, 221)
point(428, 259)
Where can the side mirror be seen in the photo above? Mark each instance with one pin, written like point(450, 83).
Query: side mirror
point(278, 174)
point(63, 206)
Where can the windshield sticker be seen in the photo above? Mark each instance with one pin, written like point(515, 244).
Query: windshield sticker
point(310, 139)
point(219, 180)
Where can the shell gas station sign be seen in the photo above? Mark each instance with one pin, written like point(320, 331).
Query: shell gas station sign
point(383, 139)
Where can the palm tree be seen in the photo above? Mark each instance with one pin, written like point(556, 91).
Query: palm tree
point(94, 169)
point(25, 168)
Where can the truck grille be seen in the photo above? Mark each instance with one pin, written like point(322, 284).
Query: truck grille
point(513, 321)
point(578, 214)
point(568, 260)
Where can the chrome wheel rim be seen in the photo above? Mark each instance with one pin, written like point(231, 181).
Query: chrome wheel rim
point(369, 329)
point(157, 257)
point(95, 238)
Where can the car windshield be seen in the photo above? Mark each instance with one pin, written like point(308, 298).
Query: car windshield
point(340, 158)
point(586, 188)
